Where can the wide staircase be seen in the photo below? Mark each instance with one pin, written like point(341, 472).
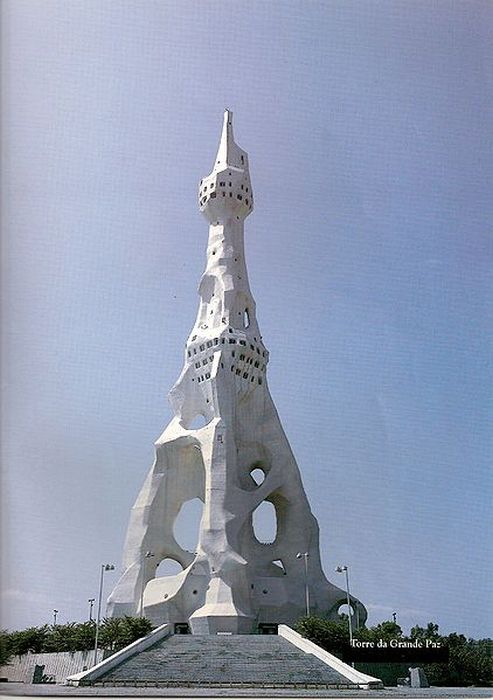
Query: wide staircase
point(229, 660)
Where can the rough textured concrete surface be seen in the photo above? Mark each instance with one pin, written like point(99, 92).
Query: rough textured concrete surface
point(225, 445)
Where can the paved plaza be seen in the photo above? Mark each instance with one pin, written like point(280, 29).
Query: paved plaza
point(29, 690)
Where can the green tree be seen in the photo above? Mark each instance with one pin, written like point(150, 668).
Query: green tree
point(118, 632)
point(470, 661)
point(32, 640)
point(384, 630)
point(428, 632)
point(72, 636)
point(5, 647)
point(333, 636)
point(115, 633)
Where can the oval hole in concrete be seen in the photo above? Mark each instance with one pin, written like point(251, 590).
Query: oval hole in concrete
point(198, 422)
point(187, 524)
point(258, 475)
point(264, 521)
point(343, 609)
point(168, 567)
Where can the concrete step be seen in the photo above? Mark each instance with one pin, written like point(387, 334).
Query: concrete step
point(252, 659)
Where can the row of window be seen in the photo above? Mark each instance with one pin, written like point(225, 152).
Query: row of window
point(204, 362)
point(243, 358)
point(238, 371)
point(214, 194)
point(251, 361)
point(232, 341)
point(221, 184)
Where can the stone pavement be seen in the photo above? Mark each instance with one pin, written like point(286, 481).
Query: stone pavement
point(8, 690)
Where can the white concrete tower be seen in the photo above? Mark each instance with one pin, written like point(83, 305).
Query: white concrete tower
point(232, 581)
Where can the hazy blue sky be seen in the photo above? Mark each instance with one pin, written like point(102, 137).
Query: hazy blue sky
point(368, 126)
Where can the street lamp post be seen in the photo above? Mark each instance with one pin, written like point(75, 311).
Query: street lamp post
point(91, 605)
point(55, 613)
point(145, 556)
point(104, 567)
point(304, 555)
point(339, 570)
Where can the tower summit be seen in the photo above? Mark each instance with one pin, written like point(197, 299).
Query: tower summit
point(235, 460)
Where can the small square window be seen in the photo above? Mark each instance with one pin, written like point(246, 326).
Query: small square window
point(209, 343)
point(202, 347)
point(238, 196)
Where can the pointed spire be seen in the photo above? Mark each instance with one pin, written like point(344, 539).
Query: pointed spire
point(229, 154)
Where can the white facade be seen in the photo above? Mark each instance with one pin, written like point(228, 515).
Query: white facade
point(232, 581)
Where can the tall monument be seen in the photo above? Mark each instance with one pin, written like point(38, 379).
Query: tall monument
point(235, 460)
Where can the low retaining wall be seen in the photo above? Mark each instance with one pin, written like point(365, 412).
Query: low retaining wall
point(57, 666)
